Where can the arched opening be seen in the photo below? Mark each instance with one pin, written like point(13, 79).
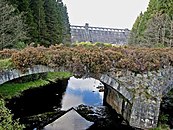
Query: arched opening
point(40, 106)
point(166, 109)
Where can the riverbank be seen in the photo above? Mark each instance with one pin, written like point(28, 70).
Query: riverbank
point(12, 89)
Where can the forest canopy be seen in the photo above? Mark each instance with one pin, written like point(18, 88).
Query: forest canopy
point(155, 26)
point(42, 22)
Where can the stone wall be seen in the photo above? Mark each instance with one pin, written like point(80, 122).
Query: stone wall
point(143, 91)
point(117, 101)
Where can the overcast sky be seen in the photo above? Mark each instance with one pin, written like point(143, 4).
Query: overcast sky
point(105, 13)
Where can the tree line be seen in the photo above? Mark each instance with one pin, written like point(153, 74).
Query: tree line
point(154, 27)
point(42, 22)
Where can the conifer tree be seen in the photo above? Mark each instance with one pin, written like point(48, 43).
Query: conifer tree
point(12, 27)
point(133, 38)
point(47, 20)
point(37, 7)
point(52, 21)
point(66, 28)
point(158, 10)
point(23, 6)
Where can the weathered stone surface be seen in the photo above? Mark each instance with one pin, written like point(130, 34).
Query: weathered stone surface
point(8, 75)
point(118, 102)
point(117, 86)
point(143, 91)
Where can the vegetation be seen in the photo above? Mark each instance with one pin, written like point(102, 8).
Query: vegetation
point(86, 58)
point(7, 53)
point(12, 26)
point(42, 22)
point(54, 76)
point(6, 122)
point(95, 60)
point(89, 44)
point(154, 27)
point(47, 20)
point(10, 90)
point(6, 64)
point(161, 127)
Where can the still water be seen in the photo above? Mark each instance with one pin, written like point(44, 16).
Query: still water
point(62, 96)
point(82, 91)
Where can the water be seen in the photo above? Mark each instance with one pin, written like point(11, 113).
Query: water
point(82, 91)
point(60, 97)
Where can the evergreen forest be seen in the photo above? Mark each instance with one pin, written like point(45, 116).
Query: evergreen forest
point(154, 27)
point(43, 22)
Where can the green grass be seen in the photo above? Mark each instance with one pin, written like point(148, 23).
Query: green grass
point(9, 90)
point(54, 76)
point(161, 127)
point(6, 64)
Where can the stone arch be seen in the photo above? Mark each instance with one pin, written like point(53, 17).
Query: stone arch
point(9, 75)
point(145, 100)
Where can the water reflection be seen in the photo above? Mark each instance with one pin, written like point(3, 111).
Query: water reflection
point(60, 96)
point(82, 91)
point(71, 100)
point(38, 100)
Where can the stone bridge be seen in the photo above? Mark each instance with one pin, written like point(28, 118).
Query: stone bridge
point(136, 97)
point(98, 34)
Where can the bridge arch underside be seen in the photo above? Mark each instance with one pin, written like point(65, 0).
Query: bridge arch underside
point(117, 102)
point(112, 97)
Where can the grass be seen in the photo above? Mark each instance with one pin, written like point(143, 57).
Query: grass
point(54, 76)
point(9, 90)
point(6, 64)
point(161, 127)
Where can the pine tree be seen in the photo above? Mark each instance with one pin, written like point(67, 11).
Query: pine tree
point(51, 21)
point(12, 27)
point(158, 10)
point(158, 30)
point(37, 7)
point(66, 28)
point(57, 21)
point(63, 20)
point(133, 38)
point(47, 20)
point(23, 6)
point(60, 21)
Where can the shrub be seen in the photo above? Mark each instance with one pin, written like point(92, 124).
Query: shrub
point(7, 53)
point(95, 59)
point(6, 122)
point(6, 64)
